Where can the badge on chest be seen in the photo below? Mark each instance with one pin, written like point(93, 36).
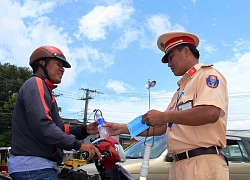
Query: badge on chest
point(185, 106)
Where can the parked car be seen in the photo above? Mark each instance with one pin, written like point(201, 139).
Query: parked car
point(237, 153)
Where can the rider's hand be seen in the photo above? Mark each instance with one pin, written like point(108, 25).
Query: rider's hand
point(92, 128)
point(91, 149)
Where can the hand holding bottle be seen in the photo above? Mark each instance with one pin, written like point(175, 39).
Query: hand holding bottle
point(100, 121)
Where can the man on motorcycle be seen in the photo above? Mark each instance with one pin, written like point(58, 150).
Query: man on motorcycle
point(38, 136)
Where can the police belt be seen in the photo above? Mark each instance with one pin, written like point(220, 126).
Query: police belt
point(197, 152)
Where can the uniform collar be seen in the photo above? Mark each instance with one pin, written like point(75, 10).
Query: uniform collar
point(189, 74)
point(192, 71)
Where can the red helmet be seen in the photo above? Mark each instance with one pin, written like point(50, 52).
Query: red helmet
point(48, 52)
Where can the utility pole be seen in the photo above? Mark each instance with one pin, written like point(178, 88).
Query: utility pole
point(87, 98)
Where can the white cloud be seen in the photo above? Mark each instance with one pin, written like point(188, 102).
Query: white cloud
point(97, 22)
point(32, 9)
point(239, 124)
point(209, 48)
point(237, 73)
point(157, 25)
point(118, 86)
point(241, 45)
point(160, 24)
point(120, 111)
point(91, 59)
point(126, 107)
point(24, 28)
point(129, 36)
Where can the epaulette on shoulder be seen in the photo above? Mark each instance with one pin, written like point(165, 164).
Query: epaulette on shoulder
point(206, 66)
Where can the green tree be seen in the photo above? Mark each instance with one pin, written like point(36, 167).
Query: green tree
point(5, 138)
point(11, 79)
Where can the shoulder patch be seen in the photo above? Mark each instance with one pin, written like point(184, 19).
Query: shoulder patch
point(212, 81)
point(206, 66)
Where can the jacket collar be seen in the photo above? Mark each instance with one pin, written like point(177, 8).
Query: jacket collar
point(49, 83)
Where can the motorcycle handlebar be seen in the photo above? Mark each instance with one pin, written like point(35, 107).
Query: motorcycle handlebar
point(85, 155)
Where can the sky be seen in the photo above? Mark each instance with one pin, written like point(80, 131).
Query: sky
point(111, 46)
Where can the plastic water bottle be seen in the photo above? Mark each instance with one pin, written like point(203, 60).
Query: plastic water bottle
point(102, 129)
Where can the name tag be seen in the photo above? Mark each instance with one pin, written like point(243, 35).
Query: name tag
point(185, 106)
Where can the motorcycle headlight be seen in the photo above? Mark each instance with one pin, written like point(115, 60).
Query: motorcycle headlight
point(121, 153)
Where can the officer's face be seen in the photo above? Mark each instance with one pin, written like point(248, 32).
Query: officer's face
point(176, 62)
point(55, 70)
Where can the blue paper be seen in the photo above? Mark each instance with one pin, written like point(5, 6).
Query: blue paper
point(136, 127)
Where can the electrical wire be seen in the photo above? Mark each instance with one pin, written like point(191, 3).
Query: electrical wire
point(70, 95)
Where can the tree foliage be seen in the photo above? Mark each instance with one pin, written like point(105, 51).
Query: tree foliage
point(5, 138)
point(11, 79)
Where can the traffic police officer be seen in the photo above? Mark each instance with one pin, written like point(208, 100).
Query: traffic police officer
point(195, 119)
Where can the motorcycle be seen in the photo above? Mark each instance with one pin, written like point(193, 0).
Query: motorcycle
point(108, 169)
point(112, 153)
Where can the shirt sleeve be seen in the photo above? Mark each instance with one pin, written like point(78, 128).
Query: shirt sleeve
point(80, 131)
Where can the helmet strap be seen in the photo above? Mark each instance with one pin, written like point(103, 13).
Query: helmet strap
point(44, 67)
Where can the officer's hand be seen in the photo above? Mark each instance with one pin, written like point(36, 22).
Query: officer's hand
point(153, 118)
point(92, 128)
point(116, 128)
point(91, 149)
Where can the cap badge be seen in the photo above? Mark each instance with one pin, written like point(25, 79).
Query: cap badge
point(212, 81)
point(162, 45)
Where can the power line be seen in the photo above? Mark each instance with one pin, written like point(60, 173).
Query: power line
point(156, 96)
point(86, 99)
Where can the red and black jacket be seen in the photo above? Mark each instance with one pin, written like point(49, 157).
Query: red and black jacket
point(37, 126)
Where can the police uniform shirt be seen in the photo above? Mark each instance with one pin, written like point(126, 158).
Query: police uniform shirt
point(201, 85)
